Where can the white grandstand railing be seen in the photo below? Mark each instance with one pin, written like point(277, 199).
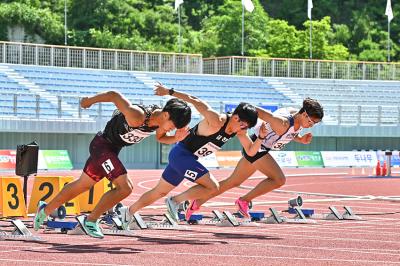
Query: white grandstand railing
point(98, 58)
point(301, 68)
point(335, 114)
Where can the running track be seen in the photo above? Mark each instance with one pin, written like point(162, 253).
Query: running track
point(373, 241)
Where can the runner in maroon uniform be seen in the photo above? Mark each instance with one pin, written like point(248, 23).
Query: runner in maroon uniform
point(130, 124)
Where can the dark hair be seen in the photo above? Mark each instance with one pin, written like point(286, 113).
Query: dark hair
point(247, 113)
point(179, 112)
point(313, 108)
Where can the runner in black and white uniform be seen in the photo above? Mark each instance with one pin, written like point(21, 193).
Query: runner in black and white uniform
point(283, 126)
point(208, 136)
point(129, 125)
point(274, 141)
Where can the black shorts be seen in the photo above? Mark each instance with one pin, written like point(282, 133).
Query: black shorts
point(103, 160)
point(258, 155)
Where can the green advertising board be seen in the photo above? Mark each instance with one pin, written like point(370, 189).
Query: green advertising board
point(57, 159)
point(309, 159)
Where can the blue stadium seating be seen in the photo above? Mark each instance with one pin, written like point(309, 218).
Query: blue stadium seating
point(70, 84)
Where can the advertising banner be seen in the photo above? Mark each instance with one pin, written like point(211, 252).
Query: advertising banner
point(56, 159)
point(7, 159)
point(349, 158)
point(48, 160)
point(285, 158)
point(309, 159)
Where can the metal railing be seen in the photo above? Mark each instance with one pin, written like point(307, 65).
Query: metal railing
point(98, 58)
point(30, 106)
point(301, 68)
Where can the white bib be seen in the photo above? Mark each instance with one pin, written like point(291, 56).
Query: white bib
point(206, 149)
point(135, 136)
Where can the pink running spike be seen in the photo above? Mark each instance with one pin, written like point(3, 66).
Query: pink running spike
point(243, 207)
point(191, 209)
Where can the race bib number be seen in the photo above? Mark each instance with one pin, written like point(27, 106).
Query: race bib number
point(207, 149)
point(135, 136)
point(191, 174)
point(108, 166)
point(278, 146)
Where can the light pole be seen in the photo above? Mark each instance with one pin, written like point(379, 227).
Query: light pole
point(65, 23)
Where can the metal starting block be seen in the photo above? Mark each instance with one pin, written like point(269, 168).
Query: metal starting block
point(218, 218)
point(194, 218)
point(20, 232)
point(168, 223)
point(276, 218)
point(307, 212)
point(336, 215)
point(228, 220)
point(115, 228)
point(350, 215)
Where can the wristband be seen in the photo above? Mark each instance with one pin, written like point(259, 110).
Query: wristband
point(261, 138)
point(171, 91)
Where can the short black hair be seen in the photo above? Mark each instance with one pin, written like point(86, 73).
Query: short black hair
point(179, 112)
point(313, 108)
point(247, 113)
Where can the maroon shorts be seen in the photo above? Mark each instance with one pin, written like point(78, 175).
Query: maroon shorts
point(103, 160)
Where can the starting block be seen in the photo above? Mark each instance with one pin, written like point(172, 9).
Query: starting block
point(218, 218)
point(275, 218)
point(349, 214)
point(20, 232)
point(254, 215)
point(227, 219)
point(194, 218)
point(306, 212)
point(115, 229)
point(167, 223)
point(336, 215)
point(59, 226)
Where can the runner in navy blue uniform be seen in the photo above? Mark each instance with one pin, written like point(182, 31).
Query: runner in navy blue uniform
point(130, 124)
point(208, 136)
point(283, 126)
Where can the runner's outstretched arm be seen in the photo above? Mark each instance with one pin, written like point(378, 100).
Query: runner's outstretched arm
point(133, 115)
point(180, 134)
point(279, 124)
point(211, 116)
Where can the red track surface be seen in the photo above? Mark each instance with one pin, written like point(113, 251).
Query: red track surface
point(373, 241)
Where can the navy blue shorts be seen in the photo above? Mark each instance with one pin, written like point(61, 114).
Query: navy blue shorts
point(103, 160)
point(182, 164)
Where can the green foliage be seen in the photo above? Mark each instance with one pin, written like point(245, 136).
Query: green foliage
point(324, 43)
point(34, 19)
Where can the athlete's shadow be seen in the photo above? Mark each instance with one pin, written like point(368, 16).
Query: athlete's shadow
point(173, 241)
point(245, 236)
point(86, 248)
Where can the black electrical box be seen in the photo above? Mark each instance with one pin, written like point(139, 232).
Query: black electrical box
point(27, 159)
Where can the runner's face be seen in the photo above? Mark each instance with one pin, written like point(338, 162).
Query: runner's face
point(309, 121)
point(168, 126)
point(239, 125)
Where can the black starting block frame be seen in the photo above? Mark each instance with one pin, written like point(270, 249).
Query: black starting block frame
point(20, 232)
